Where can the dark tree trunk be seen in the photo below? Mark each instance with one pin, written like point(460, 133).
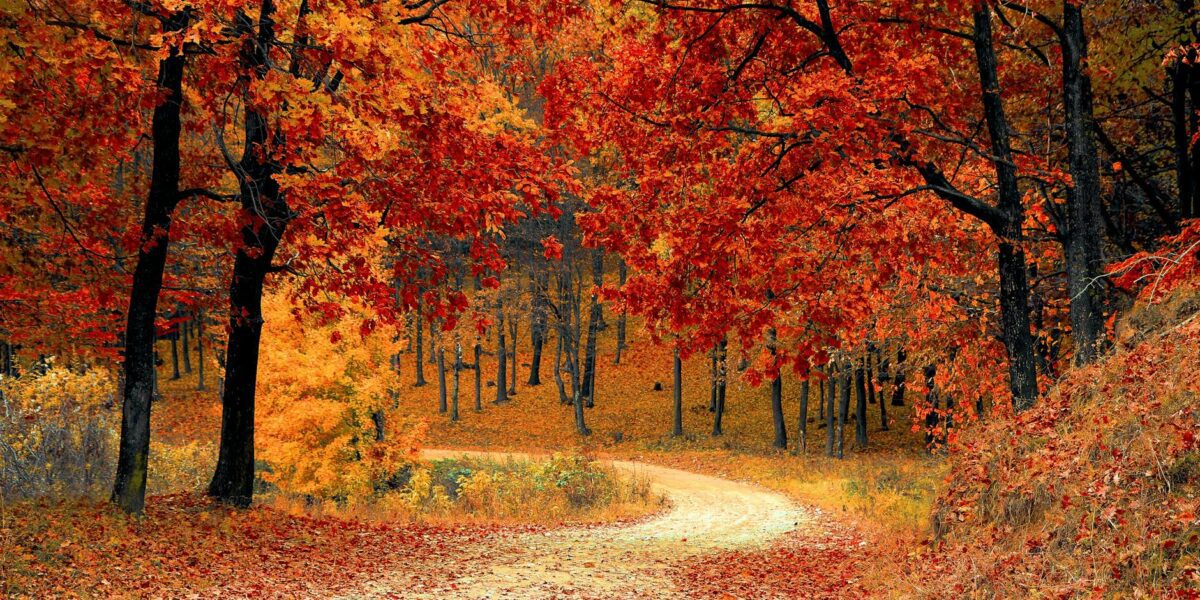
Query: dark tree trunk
point(860, 407)
point(883, 406)
point(571, 351)
point(129, 488)
point(843, 410)
point(1193, 207)
point(1014, 287)
point(1185, 81)
point(431, 356)
point(831, 410)
point(184, 328)
point(898, 379)
point(722, 374)
point(1178, 73)
point(622, 274)
point(870, 375)
point(175, 357)
point(712, 380)
point(420, 345)
point(233, 481)
point(458, 367)
point(378, 420)
point(802, 425)
point(933, 418)
point(677, 429)
point(512, 355)
point(563, 397)
point(593, 332)
point(537, 328)
point(478, 376)
point(777, 415)
point(200, 350)
point(821, 405)
point(443, 406)
point(1084, 250)
point(501, 357)
point(157, 361)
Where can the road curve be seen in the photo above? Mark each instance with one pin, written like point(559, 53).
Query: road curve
point(707, 514)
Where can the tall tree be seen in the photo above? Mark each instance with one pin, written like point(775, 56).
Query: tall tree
point(129, 490)
point(1085, 224)
point(265, 206)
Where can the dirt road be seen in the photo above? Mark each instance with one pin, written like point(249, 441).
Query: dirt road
point(707, 514)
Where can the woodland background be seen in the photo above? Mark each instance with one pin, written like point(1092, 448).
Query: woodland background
point(931, 267)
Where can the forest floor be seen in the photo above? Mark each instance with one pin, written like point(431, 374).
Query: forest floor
point(813, 527)
point(745, 520)
point(711, 521)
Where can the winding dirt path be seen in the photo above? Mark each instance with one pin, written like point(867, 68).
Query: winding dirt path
point(707, 514)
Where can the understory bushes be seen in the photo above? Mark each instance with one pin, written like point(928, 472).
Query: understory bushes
point(57, 436)
point(564, 488)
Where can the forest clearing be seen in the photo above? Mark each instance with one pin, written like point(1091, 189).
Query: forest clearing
point(599, 299)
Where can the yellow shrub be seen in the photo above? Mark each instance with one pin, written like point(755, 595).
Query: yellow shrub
point(321, 390)
point(57, 433)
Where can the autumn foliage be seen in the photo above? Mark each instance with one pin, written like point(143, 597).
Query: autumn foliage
point(931, 267)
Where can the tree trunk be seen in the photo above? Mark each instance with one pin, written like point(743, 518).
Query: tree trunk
point(501, 357)
point(200, 350)
point(593, 332)
point(443, 406)
point(1014, 287)
point(821, 404)
point(1191, 206)
point(512, 355)
point(622, 274)
point(379, 421)
point(458, 366)
point(186, 340)
point(175, 357)
point(537, 328)
point(431, 356)
point(777, 415)
point(831, 410)
point(677, 429)
point(722, 374)
point(712, 380)
point(883, 406)
point(1084, 250)
point(129, 488)
point(563, 397)
point(869, 372)
point(1184, 177)
point(933, 418)
point(802, 425)
point(262, 199)
point(843, 410)
point(420, 345)
point(898, 379)
point(478, 376)
point(860, 407)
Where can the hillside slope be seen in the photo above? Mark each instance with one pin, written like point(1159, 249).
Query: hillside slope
point(1093, 492)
